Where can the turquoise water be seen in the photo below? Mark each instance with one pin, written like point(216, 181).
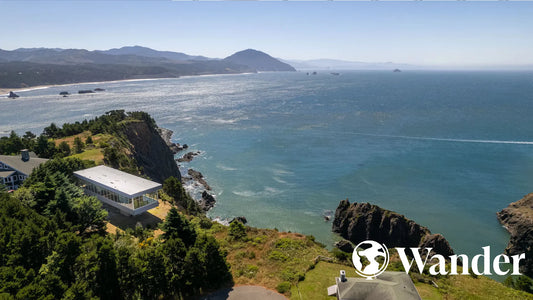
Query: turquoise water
point(446, 149)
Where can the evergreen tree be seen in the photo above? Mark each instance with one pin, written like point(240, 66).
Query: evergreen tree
point(64, 148)
point(78, 145)
point(177, 226)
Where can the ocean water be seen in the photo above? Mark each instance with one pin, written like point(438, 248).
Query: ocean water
point(446, 149)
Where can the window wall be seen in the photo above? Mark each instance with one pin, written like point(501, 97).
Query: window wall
point(132, 203)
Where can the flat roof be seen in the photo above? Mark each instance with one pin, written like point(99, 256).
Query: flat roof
point(118, 181)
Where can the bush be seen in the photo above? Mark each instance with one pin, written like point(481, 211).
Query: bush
point(276, 255)
point(284, 287)
point(237, 230)
point(340, 255)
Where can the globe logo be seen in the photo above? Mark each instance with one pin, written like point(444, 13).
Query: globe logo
point(370, 267)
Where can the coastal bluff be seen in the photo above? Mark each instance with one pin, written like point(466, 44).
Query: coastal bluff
point(517, 218)
point(150, 151)
point(358, 222)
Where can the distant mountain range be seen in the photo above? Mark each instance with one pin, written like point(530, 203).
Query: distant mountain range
point(45, 66)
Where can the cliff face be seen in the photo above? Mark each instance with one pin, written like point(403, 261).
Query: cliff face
point(150, 151)
point(517, 218)
point(358, 222)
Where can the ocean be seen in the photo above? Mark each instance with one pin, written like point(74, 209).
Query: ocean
point(446, 149)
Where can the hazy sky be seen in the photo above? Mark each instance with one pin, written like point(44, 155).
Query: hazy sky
point(425, 33)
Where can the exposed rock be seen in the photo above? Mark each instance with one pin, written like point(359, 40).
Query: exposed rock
point(207, 202)
point(188, 156)
point(345, 246)
point(151, 152)
point(438, 244)
point(166, 135)
point(358, 222)
point(241, 219)
point(517, 218)
point(199, 177)
point(85, 91)
point(12, 95)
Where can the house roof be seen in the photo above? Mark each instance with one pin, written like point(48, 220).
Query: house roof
point(388, 286)
point(4, 174)
point(118, 181)
point(25, 167)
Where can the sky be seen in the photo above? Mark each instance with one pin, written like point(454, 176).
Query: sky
point(454, 33)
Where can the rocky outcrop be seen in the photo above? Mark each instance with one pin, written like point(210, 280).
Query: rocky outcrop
point(207, 202)
point(345, 246)
point(166, 135)
point(517, 218)
point(150, 151)
point(240, 219)
point(358, 222)
point(198, 177)
point(188, 156)
point(12, 95)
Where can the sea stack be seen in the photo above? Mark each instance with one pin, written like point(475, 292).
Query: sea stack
point(358, 222)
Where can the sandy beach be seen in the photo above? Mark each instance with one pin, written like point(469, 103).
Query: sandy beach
point(5, 91)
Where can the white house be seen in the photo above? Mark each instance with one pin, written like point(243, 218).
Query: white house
point(132, 195)
point(15, 169)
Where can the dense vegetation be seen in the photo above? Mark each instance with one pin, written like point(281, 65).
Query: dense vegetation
point(114, 148)
point(24, 74)
point(53, 246)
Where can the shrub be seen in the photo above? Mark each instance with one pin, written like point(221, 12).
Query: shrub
point(237, 230)
point(276, 255)
point(283, 287)
point(340, 255)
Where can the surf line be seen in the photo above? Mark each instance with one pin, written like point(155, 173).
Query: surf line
point(443, 139)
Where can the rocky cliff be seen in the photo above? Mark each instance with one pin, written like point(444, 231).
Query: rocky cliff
point(358, 222)
point(517, 218)
point(150, 151)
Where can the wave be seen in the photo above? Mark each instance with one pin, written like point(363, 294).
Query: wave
point(445, 139)
point(225, 168)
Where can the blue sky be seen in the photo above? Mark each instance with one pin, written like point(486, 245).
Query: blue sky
point(424, 33)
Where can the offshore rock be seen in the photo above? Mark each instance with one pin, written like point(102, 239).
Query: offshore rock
point(358, 222)
point(188, 156)
point(207, 202)
point(517, 218)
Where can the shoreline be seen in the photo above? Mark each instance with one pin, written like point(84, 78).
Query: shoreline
point(5, 91)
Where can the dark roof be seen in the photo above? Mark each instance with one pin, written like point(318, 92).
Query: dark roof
point(25, 167)
point(388, 286)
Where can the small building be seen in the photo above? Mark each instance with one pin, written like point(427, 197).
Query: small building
point(388, 286)
point(132, 195)
point(15, 169)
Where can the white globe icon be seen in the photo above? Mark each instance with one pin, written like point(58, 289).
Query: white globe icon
point(371, 250)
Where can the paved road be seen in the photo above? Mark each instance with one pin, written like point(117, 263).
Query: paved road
point(245, 292)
